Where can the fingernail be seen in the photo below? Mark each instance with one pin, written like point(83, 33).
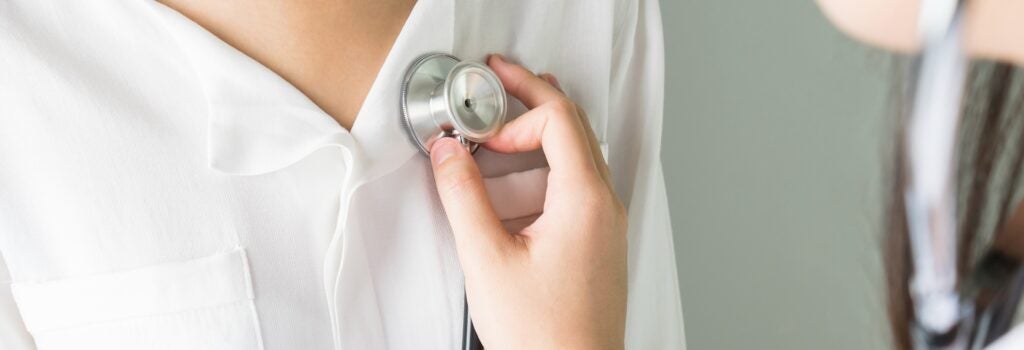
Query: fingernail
point(443, 149)
point(498, 57)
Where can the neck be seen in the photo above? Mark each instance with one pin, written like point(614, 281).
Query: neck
point(329, 50)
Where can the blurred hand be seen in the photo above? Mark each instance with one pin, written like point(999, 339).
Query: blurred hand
point(559, 283)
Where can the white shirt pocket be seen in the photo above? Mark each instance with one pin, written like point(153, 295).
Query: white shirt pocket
point(205, 303)
point(518, 198)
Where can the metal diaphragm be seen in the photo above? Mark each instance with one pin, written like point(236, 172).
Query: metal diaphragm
point(443, 97)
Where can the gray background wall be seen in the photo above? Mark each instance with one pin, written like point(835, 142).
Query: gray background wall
point(775, 138)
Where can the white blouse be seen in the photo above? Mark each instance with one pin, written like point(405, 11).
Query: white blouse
point(161, 190)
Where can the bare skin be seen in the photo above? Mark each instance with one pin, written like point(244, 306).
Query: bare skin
point(330, 50)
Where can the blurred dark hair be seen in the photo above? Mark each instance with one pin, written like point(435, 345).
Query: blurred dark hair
point(991, 154)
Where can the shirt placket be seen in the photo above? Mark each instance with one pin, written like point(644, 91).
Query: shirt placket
point(347, 279)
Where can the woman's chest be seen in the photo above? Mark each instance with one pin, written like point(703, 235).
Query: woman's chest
point(145, 171)
point(154, 219)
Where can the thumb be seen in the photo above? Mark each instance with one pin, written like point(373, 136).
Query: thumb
point(478, 231)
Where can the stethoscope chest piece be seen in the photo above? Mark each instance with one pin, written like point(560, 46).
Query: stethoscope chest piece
point(443, 97)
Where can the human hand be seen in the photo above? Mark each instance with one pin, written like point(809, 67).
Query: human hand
point(561, 281)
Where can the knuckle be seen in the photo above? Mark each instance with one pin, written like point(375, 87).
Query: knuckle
point(453, 178)
point(564, 107)
point(455, 183)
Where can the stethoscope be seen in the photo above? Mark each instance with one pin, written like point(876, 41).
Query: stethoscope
point(445, 97)
point(978, 309)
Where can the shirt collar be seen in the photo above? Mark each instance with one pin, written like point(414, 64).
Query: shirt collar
point(260, 123)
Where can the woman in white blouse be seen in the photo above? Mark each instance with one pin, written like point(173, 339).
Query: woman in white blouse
point(234, 175)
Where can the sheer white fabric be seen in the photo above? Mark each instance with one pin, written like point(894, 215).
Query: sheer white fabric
point(160, 189)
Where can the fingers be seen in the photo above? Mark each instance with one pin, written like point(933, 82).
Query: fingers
point(550, 78)
point(530, 89)
point(553, 123)
point(595, 146)
point(478, 231)
point(555, 128)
